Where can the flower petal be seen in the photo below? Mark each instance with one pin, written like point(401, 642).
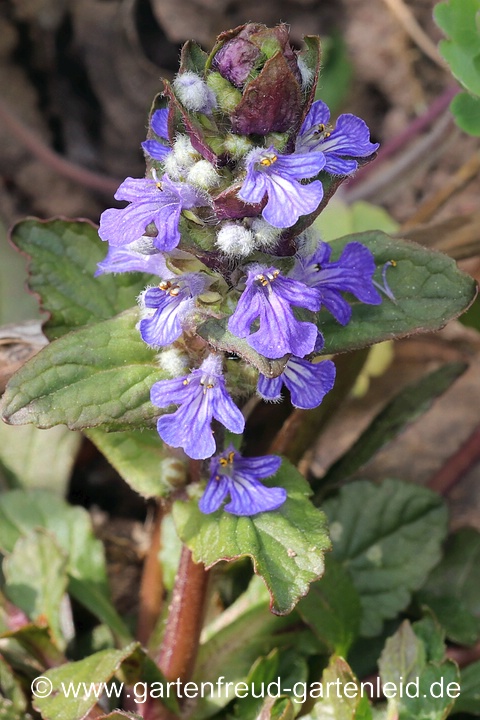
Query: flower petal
point(121, 227)
point(288, 200)
point(215, 493)
point(308, 382)
point(159, 123)
point(270, 388)
point(156, 149)
point(250, 498)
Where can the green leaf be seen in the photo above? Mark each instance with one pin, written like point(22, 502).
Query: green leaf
point(86, 678)
point(451, 590)
point(459, 20)
point(11, 689)
point(36, 579)
point(266, 680)
point(464, 67)
point(30, 644)
point(63, 260)
point(376, 530)
point(9, 712)
point(339, 694)
point(234, 640)
point(429, 290)
point(459, 624)
point(415, 687)
point(33, 458)
point(469, 700)
point(406, 407)
point(286, 545)
point(332, 609)
point(107, 383)
point(141, 459)
point(403, 657)
point(15, 304)
point(465, 109)
point(20, 513)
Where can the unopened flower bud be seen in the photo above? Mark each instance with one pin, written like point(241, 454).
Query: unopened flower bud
point(203, 175)
point(173, 361)
point(194, 93)
point(228, 96)
point(260, 61)
point(235, 240)
point(266, 236)
point(237, 145)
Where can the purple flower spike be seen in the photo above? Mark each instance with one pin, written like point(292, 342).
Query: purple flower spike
point(308, 382)
point(268, 296)
point(278, 176)
point(352, 272)
point(231, 474)
point(201, 396)
point(172, 302)
point(159, 125)
point(151, 201)
point(350, 138)
point(139, 256)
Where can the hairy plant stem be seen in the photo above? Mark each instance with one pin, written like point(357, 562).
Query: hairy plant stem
point(178, 652)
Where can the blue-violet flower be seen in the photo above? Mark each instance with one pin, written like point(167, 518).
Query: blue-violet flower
point(159, 124)
point(151, 201)
point(268, 296)
point(231, 474)
point(172, 301)
point(139, 256)
point(308, 382)
point(201, 396)
point(277, 176)
point(352, 272)
point(350, 138)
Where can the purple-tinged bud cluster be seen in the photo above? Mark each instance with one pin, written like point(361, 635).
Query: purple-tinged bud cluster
point(237, 159)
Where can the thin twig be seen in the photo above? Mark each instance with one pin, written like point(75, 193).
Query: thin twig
point(403, 139)
point(80, 175)
point(422, 154)
point(426, 211)
point(457, 465)
point(406, 18)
